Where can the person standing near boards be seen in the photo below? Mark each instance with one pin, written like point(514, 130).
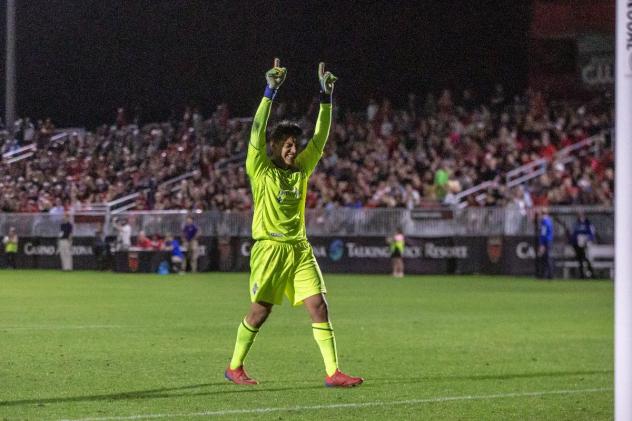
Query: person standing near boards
point(65, 243)
point(397, 243)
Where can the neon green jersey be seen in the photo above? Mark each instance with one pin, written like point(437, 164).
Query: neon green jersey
point(398, 243)
point(11, 244)
point(279, 194)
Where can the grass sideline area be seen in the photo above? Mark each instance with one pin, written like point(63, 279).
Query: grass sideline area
point(104, 346)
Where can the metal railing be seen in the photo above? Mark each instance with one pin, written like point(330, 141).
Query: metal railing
point(126, 203)
point(526, 172)
point(19, 154)
point(531, 170)
point(321, 222)
point(482, 187)
point(29, 150)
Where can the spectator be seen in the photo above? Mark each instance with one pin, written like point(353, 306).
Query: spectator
point(143, 242)
point(157, 242)
point(124, 234)
point(545, 244)
point(10, 242)
point(190, 234)
point(441, 179)
point(58, 209)
point(583, 235)
point(65, 243)
point(453, 189)
point(178, 262)
point(397, 244)
point(100, 248)
point(411, 198)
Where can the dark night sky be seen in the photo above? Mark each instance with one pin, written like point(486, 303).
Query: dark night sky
point(79, 60)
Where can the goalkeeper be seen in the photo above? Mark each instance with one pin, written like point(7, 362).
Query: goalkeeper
point(281, 259)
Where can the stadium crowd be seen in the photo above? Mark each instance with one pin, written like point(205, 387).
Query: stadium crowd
point(420, 154)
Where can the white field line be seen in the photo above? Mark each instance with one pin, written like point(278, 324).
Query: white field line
point(87, 327)
point(59, 327)
point(343, 405)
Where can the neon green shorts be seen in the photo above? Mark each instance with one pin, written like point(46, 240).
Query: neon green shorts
point(277, 268)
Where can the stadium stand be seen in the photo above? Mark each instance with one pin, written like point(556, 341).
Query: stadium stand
point(522, 151)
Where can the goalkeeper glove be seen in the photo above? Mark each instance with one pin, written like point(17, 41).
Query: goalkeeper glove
point(275, 78)
point(326, 80)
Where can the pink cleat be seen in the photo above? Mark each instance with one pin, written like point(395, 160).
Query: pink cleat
point(340, 379)
point(239, 376)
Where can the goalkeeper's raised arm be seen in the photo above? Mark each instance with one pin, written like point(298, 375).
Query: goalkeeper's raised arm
point(308, 159)
point(257, 155)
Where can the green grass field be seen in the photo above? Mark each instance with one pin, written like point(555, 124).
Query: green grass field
point(103, 346)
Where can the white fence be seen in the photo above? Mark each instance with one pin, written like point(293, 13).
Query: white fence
point(322, 222)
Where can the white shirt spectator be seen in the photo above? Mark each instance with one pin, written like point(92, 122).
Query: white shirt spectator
point(57, 210)
point(411, 197)
point(371, 110)
point(124, 237)
point(386, 129)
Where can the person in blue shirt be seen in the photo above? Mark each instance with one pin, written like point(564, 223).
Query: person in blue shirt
point(583, 234)
point(177, 256)
point(545, 244)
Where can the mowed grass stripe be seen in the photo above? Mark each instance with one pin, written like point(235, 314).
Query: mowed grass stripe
point(343, 405)
point(60, 327)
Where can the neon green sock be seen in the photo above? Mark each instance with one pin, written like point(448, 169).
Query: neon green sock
point(245, 338)
point(324, 335)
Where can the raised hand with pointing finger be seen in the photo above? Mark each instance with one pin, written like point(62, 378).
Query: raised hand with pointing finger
point(326, 79)
point(276, 75)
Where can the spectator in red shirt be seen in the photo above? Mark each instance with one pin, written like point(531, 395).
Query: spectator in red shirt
point(547, 150)
point(143, 241)
point(157, 242)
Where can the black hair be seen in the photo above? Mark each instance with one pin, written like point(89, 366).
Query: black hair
point(285, 129)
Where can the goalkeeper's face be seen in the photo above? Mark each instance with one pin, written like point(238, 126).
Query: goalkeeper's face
point(284, 152)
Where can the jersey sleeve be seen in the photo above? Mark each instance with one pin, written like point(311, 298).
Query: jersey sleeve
point(257, 157)
point(310, 156)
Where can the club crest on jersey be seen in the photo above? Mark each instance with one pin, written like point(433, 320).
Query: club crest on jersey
point(287, 193)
